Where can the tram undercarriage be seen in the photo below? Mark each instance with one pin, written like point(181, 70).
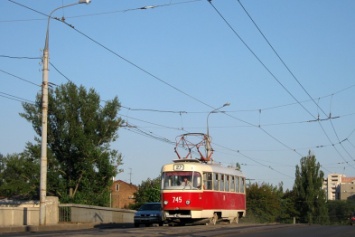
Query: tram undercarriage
point(182, 217)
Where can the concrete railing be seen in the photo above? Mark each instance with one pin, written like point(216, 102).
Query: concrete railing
point(17, 213)
point(76, 213)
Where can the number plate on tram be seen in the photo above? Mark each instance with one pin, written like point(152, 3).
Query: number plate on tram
point(178, 167)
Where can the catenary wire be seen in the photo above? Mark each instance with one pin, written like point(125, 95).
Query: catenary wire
point(298, 82)
point(211, 107)
point(275, 78)
point(258, 59)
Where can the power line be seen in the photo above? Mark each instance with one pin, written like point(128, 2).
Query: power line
point(22, 5)
point(155, 110)
point(279, 57)
point(136, 9)
point(142, 69)
point(20, 78)
point(15, 98)
point(273, 76)
point(148, 133)
point(18, 57)
point(177, 89)
point(60, 72)
point(299, 83)
point(258, 59)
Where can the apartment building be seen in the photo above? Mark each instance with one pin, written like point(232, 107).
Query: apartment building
point(339, 187)
point(347, 188)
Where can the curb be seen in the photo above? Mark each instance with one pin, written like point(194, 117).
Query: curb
point(57, 227)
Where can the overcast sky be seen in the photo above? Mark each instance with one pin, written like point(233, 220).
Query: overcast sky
point(286, 68)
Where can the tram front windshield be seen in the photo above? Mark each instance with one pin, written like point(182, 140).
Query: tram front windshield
point(181, 180)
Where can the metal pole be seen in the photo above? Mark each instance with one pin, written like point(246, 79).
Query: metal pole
point(208, 142)
point(43, 168)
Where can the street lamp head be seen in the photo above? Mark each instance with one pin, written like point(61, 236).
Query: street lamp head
point(226, 104)
point(84, 1)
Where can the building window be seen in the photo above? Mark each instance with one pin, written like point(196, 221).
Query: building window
point(117, 187)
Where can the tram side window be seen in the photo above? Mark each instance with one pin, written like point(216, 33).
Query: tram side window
point(215, 182)
point(221, 182)
point(207, 180)
point(227, 183)
point(237, 184)
point(232, 183)
point(242, 186)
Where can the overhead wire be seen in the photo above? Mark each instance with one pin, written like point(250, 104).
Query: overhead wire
point(15, 98)
point(62, 74)
point(18, 57)
point(337, 136)
point(279, 57)
point(177, 89)
point(257, 58)
point(273, 76)
point(300, 84)
point(135, 9)
point(149, 72)
point(20, 78)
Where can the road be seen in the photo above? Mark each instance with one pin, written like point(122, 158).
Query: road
point(220, 230)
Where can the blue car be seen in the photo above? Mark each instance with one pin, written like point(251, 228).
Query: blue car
point(148, 214)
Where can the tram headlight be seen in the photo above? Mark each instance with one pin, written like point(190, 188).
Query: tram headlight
point(165, 202)
point(187, 202)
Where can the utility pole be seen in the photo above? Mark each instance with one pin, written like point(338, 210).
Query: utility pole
point(43, 167)
point(130, 175)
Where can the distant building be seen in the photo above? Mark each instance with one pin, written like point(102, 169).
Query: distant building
point(339, 187)
point(347, 188)
point(122, 194)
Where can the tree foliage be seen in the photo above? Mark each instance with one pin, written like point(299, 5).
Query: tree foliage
point(19, 176)
point(148, 191)
point(340, 211)
point(264, 202)
point(310, 197)
point(81, 163)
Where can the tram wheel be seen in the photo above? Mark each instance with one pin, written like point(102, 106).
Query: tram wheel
point(214, 219)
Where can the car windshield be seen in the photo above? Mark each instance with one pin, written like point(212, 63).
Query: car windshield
point(181, 180)
point(152, 206)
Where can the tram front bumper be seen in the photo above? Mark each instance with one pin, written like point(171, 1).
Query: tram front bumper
point(178, 214)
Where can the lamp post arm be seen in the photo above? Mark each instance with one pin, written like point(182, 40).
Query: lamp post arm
point(208, 142)
point(43, 166)
point(46, 45)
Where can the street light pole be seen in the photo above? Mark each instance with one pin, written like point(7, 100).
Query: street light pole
point(43, 168)
point(208, 142)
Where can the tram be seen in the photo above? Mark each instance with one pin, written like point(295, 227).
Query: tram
point(197, 190)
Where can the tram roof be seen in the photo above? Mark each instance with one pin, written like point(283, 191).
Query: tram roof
point(197, 165)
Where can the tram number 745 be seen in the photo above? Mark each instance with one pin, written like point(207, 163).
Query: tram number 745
point(177, 199)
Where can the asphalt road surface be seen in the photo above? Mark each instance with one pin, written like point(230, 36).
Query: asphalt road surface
point(220, 230)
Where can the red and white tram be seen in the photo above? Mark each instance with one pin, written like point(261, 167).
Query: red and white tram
point(198, 190)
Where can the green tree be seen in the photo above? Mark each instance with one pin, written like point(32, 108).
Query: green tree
point(148, 191)
point(81, 163)
point(340, 211)
point(310, 197)
point(264, 202)
point(288, 207)
point(19, 176)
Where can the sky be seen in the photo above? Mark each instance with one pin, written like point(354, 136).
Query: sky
point(286, 68)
